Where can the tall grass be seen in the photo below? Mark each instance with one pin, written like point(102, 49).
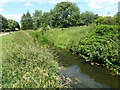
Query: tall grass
point(26, 64)
point(68, 37)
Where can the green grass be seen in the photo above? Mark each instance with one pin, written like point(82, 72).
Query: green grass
point(27, 64)
point(66, 37)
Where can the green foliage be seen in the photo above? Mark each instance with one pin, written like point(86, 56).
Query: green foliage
point(106, 20)
point(13, 25)
point(8, 25)
point(117, 16)
point(45, 19)
point(105, 29)
point(74, 20)
point(36, 19)
point(63, 12)
point(26, 21)
point(41, 20)
point(3, 23)
point(88, 17)
point(67, 37)
point(44, 27)
point(39, 37)
point(102, 46)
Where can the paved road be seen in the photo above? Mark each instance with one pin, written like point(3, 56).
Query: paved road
point(4, 34)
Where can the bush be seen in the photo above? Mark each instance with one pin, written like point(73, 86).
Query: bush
point(102, 46)
point(106, 29)
point(106, 20)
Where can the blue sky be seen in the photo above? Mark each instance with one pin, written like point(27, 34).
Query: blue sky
point(13, 9)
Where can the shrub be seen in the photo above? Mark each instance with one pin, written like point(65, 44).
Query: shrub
point(106, 29)
point(106, 20)
point(102, 46)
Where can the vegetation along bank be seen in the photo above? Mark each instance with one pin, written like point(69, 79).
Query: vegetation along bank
point(27, 60)
point(95, 43)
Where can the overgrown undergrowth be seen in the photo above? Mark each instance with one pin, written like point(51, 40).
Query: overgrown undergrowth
point(26, 64)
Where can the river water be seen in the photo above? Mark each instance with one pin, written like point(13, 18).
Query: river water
point(82, 74)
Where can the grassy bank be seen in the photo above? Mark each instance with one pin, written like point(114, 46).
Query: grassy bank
point(68, 38)
point(96, 45)
point(27, 64)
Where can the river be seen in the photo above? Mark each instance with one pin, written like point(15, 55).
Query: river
point(82, 74)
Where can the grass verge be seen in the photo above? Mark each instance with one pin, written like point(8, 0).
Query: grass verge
point(26, 64)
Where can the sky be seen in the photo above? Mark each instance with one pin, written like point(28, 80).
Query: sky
point(14, 9)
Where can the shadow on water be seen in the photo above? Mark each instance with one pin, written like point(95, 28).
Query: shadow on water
point(82, 74)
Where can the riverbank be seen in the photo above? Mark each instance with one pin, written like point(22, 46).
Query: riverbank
point(27, 64)
point(28, 61)
point(82, 75)
point(88, 43)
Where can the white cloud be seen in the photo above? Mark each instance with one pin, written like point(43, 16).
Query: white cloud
point(14, 17)
point(97, 4)
point(27, 4)
point(94, 4)
point(2, 2)
point(1, 9)
point(56, 1)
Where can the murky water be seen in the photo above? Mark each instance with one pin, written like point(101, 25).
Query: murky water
point(82, 74)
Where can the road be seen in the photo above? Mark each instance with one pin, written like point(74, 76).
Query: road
point(4, 34)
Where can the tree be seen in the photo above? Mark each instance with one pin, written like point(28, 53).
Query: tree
point(88, 17)
point(36, 18)
point(62, 14)
point(26, 21)
point(3, 23)
point(23, 22)
point(45, 19)
point(74, 20)
point(12, 24)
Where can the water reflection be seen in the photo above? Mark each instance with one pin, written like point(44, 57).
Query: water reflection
point(84, 75)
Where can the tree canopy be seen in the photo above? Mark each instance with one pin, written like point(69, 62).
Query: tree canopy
point(3, 23)
point(13, 25)
point(26, 21)
point(62, 14)
point(36, 19)
point(8, 25)
point(88, 17)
